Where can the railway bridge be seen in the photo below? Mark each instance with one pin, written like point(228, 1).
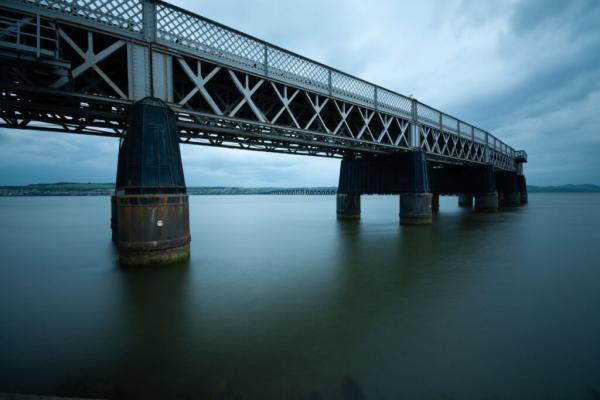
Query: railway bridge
point(153, 75)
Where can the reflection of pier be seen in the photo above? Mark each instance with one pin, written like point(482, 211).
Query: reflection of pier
point(305, 192)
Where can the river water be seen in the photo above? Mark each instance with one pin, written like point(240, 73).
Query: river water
point(281, 300)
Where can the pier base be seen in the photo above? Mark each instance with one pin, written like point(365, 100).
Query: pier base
point(415, 208)
point(465, 200)
point(435, 203)
point(152, 229)
point(486, 202)
point(522, 188)
point(348, 205)
point(512, 199)
point(113, 218)
point(150, 210)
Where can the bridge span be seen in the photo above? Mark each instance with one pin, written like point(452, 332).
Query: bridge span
point(154, 75)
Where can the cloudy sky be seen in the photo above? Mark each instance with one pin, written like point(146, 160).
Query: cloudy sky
point(527, 71)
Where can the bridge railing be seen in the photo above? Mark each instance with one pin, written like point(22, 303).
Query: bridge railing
point(29, 34)
point(121, 14)
point(211, 40)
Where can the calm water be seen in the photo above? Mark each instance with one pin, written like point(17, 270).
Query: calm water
point(281, 300)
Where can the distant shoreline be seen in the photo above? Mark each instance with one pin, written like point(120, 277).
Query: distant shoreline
point(106, 189)
point(588, 188)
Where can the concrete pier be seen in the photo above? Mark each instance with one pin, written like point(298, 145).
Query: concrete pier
point(465, 200)
point(160, 231)
point(415, 208)
point(404, 173)
point(512, 199)
point(420, 185)
point(486, 202)
point(509, 186)
point(150, 214)
point(348, 205)
point(415, 202)
point(522, 187)
point(114, 229)
point(435, 203)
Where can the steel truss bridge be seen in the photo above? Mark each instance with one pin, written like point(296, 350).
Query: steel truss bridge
point(77, 66)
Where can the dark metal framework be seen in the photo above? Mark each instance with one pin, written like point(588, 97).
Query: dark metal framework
point(77, 66)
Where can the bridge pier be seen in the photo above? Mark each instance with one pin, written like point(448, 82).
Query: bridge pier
point(465, 200)
point(477, 181)
point(487, 198)
point(348, 205)
point(415, 208)
point(435, 203)
point(416, 205)
point(486, 202)
point(512, 199)
point(522, 188)
point(150, 211)
point(403, 173)
point(508, 187)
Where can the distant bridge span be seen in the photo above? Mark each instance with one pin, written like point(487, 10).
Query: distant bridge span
point(79, 66)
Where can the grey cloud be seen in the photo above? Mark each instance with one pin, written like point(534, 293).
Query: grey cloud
point(213, 166)
point(539, 15)
point(31, 157)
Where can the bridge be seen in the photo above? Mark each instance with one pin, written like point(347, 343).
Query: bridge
point(154, 75)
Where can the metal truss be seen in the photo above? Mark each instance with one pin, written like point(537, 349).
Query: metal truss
point(238, 104)
point(53, 111)
point(91, 60)
point(206, 129)
point(441, 143)
point(228, 88)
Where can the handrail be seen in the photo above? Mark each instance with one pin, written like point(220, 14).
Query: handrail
point(28, 34)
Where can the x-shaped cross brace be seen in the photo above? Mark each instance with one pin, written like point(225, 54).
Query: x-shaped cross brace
point(317, 106)
point(344, 113)
point(366, 116)
point(247, 92)
point(200, 83)
point(386, 122)
point(90, 60)
point(285, 101)
point(403, 125)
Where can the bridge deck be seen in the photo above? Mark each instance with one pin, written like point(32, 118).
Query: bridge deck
point(228, 88)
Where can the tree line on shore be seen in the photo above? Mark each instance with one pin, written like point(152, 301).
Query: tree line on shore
point(105, 189)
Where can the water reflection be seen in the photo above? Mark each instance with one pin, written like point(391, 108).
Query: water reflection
point(281, 300)
point(153, 311)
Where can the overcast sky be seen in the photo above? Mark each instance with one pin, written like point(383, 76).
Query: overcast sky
point(527, 71)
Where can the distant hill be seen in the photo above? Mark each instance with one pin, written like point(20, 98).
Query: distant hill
point(59, 189)
point(105, 189)
point(564, 189)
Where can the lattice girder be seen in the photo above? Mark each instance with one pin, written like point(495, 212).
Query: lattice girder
point(208, 68)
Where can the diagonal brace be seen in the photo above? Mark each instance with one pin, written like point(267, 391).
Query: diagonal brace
point(200, 83)
point(247, 92)
point(285, 101)
point(91, 60)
